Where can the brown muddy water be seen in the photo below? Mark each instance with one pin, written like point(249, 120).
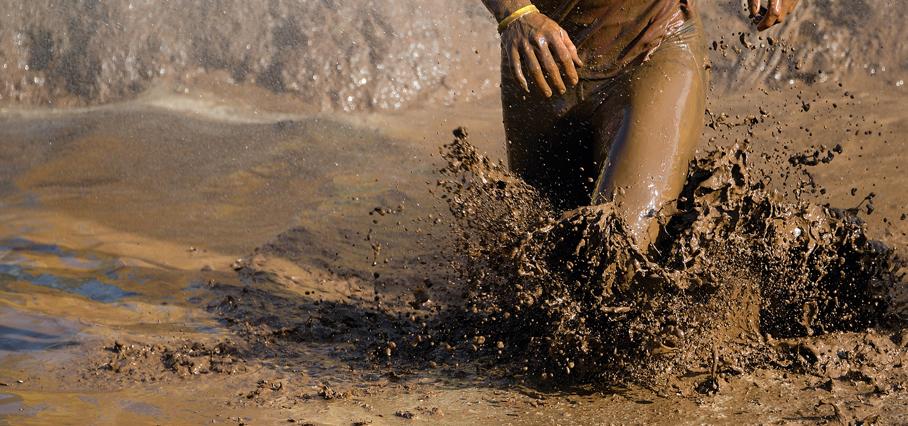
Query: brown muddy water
point(197, 250)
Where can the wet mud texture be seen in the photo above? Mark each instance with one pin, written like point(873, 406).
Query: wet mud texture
point(337, 55)
point(735, 270)
point(153, 362)
point(346, 55)
point(739, 282)
point(396, 296)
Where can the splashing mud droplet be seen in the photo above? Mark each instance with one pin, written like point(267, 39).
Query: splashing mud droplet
point(733, 263)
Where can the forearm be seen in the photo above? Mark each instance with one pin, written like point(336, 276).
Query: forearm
point(502, 8)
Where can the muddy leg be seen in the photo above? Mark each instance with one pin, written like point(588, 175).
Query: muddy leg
point(645, 158)
point(549, 148)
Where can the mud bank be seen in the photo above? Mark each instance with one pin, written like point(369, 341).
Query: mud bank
point(344, 56)
point(817, 44)
point(336, 55)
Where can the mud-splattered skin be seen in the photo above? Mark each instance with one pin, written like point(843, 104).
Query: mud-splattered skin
point(539, 43)
point(630, 122)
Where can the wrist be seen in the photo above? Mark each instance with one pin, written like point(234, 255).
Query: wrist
point(501, 9)
point(515, 16)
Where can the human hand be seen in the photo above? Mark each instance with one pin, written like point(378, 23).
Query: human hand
point(538, 42)
point(774, 13)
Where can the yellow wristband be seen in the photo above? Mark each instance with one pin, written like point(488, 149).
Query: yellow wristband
point(519, 13)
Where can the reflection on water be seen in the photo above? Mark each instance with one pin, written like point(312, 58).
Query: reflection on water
point(210, 185)
point(23, 260)
point(22, 331)
point(10, 404)
point(117, 222)
point(92, 289)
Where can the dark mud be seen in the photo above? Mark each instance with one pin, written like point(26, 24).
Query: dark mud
point(152, 362)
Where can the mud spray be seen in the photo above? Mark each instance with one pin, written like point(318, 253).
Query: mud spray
point(738, 280)
point(736, 270)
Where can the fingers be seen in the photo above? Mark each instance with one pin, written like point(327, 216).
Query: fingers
point(540, 50)
point(774, 15)
point(535, 70)
point(567, 56)
point(516, 68)
point(572, 50)
point(753, 7)
point(550, 68)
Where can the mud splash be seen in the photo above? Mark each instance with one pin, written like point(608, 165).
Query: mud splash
point(735, 269)
point(294, 330)
point(528, 295)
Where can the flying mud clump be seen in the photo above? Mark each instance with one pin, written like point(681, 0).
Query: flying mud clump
point(735, 269)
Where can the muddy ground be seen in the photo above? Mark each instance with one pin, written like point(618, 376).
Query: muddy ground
point(277, 284)
point(205, 252)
